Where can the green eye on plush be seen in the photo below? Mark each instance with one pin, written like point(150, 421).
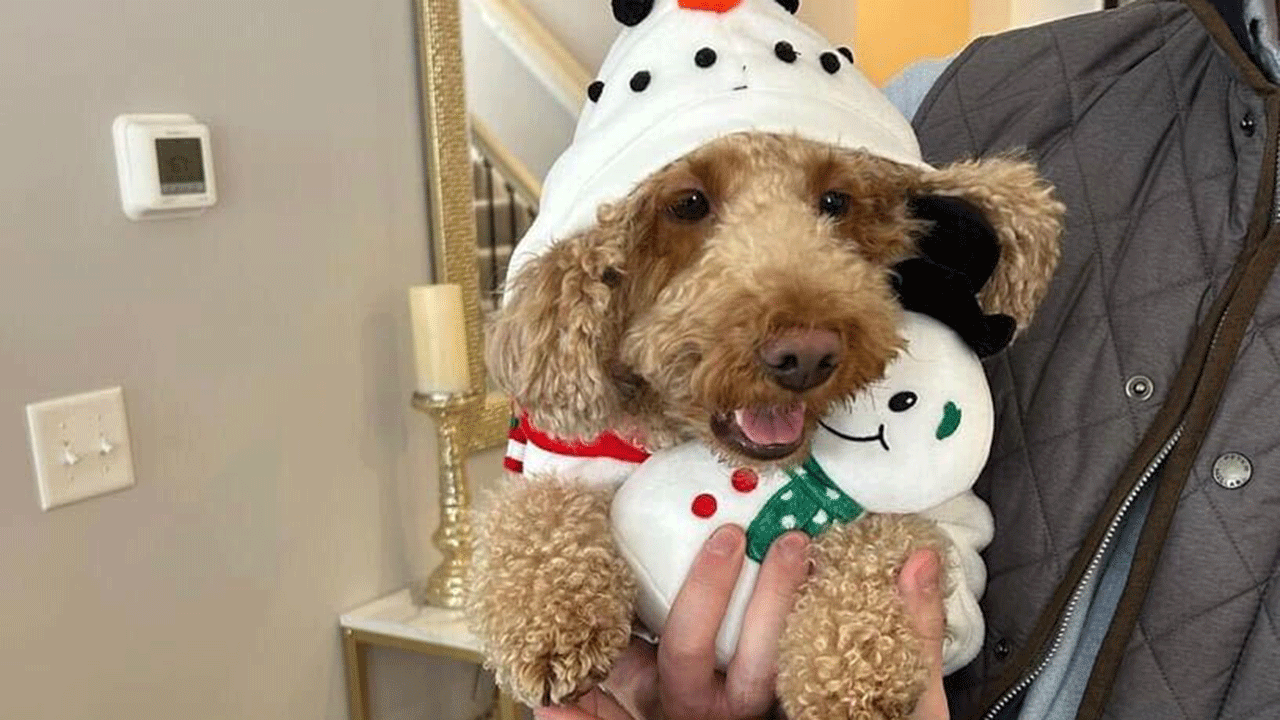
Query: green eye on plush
point(834, 203)
point(691, 206)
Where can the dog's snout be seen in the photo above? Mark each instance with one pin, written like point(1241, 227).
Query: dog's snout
point(800, 360)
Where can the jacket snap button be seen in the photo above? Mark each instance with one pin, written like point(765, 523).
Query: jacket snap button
point(1232, 471)
point(1002, 650)
point(1248, 124)
point(1140, 387)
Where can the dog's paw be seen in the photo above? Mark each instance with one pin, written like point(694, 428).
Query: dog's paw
point(849, 651)
point(556, 660)
point(551, 600)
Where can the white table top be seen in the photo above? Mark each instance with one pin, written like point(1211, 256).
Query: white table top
point(396, 615)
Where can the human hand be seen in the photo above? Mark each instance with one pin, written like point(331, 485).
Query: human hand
point(920, 584)
point(678, 680)
point(681, 681)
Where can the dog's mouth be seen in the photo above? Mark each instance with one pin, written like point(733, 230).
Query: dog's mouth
point(761, 433)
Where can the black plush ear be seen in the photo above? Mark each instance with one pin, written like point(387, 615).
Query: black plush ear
point(632, 12)
point(1012, 197)
point(958, 253)
point(959, 236)
point(944, 294)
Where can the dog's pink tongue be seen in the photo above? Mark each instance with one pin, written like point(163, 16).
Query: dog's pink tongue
point(772, 425)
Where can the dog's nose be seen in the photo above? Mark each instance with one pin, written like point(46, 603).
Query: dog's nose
point(800, 360)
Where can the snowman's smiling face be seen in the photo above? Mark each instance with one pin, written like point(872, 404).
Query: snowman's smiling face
point(901, 402)
point(918, 436)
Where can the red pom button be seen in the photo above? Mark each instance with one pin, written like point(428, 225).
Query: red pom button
point(745, 480)
point(719, 6)
point(704, 506)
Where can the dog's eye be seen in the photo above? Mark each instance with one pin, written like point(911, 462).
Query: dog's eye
point(834, 203)
point(903, 401)
point(691, 206)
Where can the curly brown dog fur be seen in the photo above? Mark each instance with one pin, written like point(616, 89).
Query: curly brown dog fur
point(848, 650)
point(551, 596)
point(650, 324)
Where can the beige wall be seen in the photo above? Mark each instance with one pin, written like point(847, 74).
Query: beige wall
point(894, 33)
point(586, 27)
point(262, 349)
point(988, 16)
point(1031, 12)
point(837, 19)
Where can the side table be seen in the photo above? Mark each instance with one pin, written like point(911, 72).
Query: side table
point(395, 622)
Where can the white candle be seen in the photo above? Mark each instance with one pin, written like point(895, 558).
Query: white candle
point(439, 339)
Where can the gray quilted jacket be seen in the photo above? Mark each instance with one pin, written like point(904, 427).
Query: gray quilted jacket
point(1154, 362)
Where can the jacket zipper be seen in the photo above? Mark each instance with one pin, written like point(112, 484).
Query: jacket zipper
point(1096, 561)
point(1094, 564)
point(1275, 192)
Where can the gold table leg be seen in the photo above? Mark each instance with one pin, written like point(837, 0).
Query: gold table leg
point(507, 707)
point(357, 677)
point(355, 650)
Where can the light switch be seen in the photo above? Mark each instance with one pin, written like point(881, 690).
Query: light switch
point(80, 447)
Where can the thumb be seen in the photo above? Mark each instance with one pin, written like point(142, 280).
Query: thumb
point(920, 584)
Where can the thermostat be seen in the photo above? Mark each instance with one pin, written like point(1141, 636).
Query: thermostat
point(165, 166)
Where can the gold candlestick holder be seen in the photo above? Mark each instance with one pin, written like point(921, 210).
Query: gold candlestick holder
point(465, 424)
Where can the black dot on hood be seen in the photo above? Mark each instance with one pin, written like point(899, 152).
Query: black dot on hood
point(640, 81)
point(705, 58)
point(792, 6)
point(786, 52)
point(830, 62)
point(632, 12)
point(847, 53)
point(594, 90)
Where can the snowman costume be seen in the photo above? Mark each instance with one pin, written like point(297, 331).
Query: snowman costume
point(687, 72)
point(681, 75)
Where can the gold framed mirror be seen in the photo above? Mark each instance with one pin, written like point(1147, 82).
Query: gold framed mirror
point(450, 196)
point(481, 197)
point(477, 420)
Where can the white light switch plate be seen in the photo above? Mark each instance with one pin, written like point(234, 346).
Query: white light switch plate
point(80, 446)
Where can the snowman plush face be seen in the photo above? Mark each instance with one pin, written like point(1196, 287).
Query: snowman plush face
point(920, 435)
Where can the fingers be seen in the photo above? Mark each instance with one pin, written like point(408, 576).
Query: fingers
point(633, 681)
point(753, 671)
point(595, 705)
point(687, 654)
point(562, 713)
point(920, 584)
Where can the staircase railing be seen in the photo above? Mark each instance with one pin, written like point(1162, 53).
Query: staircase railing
point(506, 204)
point(507, 194)
point(540, 51)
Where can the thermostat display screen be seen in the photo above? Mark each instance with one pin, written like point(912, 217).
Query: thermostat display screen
point(181, 164)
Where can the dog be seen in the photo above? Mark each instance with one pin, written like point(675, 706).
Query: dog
point(733, 297)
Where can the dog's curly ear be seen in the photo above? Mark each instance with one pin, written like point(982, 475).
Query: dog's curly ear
point(552, 345)
point(1020, 206)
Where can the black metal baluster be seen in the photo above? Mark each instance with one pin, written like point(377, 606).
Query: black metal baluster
point(493, 225)
point(513, 221)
